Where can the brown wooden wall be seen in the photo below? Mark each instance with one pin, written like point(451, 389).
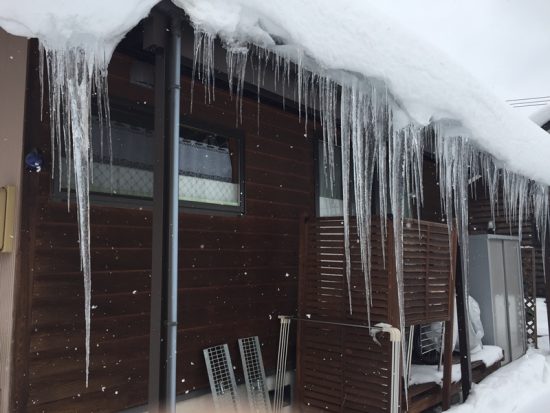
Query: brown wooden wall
point(237, 273)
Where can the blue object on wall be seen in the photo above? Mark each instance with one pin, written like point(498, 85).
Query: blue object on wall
point(34, 161)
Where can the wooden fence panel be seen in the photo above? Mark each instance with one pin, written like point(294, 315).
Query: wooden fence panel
point(340, 367)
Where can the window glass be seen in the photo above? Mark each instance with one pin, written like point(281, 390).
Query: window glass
point(330, 197)
point(210, 166)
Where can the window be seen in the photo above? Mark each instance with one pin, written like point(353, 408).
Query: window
point(329, 191)
point(211, 170)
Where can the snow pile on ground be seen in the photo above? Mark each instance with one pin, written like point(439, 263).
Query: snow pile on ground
point(521, 386)
point(421, 373)
point(488, 355)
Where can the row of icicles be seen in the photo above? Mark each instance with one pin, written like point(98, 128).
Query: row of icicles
point(357, 117)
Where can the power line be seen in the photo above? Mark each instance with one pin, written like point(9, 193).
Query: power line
point(529, 102)
point(529, 99)
point(532, 104)
point(529, 105)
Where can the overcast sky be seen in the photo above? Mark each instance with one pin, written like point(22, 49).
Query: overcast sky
point(505, 43)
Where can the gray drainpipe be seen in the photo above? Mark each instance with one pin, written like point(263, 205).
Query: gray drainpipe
point(164, 276)
point(174, 74)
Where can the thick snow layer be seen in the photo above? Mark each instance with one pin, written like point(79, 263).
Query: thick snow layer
point(346, 36)
point(354, 36)
point(60, 24)
point(541, 116)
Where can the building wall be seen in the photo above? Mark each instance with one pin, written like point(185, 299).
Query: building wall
point(237, 273)
point(13, 63)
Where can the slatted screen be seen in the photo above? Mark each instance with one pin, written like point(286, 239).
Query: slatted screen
point(426, 270)
point(340, 367)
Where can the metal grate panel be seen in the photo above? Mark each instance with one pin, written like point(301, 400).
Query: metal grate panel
point(222, 378)
point(430, 338)
point(254, 374)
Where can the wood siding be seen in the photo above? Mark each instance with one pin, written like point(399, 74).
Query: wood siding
point(237, 273)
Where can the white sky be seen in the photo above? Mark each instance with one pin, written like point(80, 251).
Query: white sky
point(504, 43)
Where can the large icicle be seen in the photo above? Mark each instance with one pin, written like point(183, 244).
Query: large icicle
point(453, 155)
point(73, 75)
point(203, 64)
point(346, 171)
point(236, 58)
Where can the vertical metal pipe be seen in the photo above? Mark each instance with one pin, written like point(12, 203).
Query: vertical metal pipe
point(174, 74)
point(164, 280)
point(154, 38)
point(463, 332)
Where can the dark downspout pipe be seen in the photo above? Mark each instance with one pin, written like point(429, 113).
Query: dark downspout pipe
point(164, 277)
point(174, 75)
point(154, 39)
point(463, 331)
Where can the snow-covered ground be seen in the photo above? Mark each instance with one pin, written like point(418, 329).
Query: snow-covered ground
point(522, 386)
point(421, 373)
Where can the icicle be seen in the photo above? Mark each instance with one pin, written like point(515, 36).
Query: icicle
point(452, 159)
point(345, 127)
point(258, 88)
point(490, 177)
point(539, 200)
point(72, 74)
point(382, 133)
point(327, 108)
point(236, 59)
point(362, 161)
point(203, 64)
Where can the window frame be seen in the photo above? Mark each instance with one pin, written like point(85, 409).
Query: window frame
point(135, 114)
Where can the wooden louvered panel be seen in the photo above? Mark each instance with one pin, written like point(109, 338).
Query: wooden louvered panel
point(427, 261)
point(343, 370)
point(340, 367)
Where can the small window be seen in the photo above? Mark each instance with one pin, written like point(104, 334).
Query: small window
point(211, 170)
point(329, 188)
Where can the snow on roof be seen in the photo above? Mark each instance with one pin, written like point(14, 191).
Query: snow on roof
point(349, 36)
point(65, 23)
point(503, 44)
point(542, 116)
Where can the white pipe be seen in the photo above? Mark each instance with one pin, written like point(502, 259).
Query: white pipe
point(395, 338)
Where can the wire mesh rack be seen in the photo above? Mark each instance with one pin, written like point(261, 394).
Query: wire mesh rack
point(222, 378)
point(254, 374)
